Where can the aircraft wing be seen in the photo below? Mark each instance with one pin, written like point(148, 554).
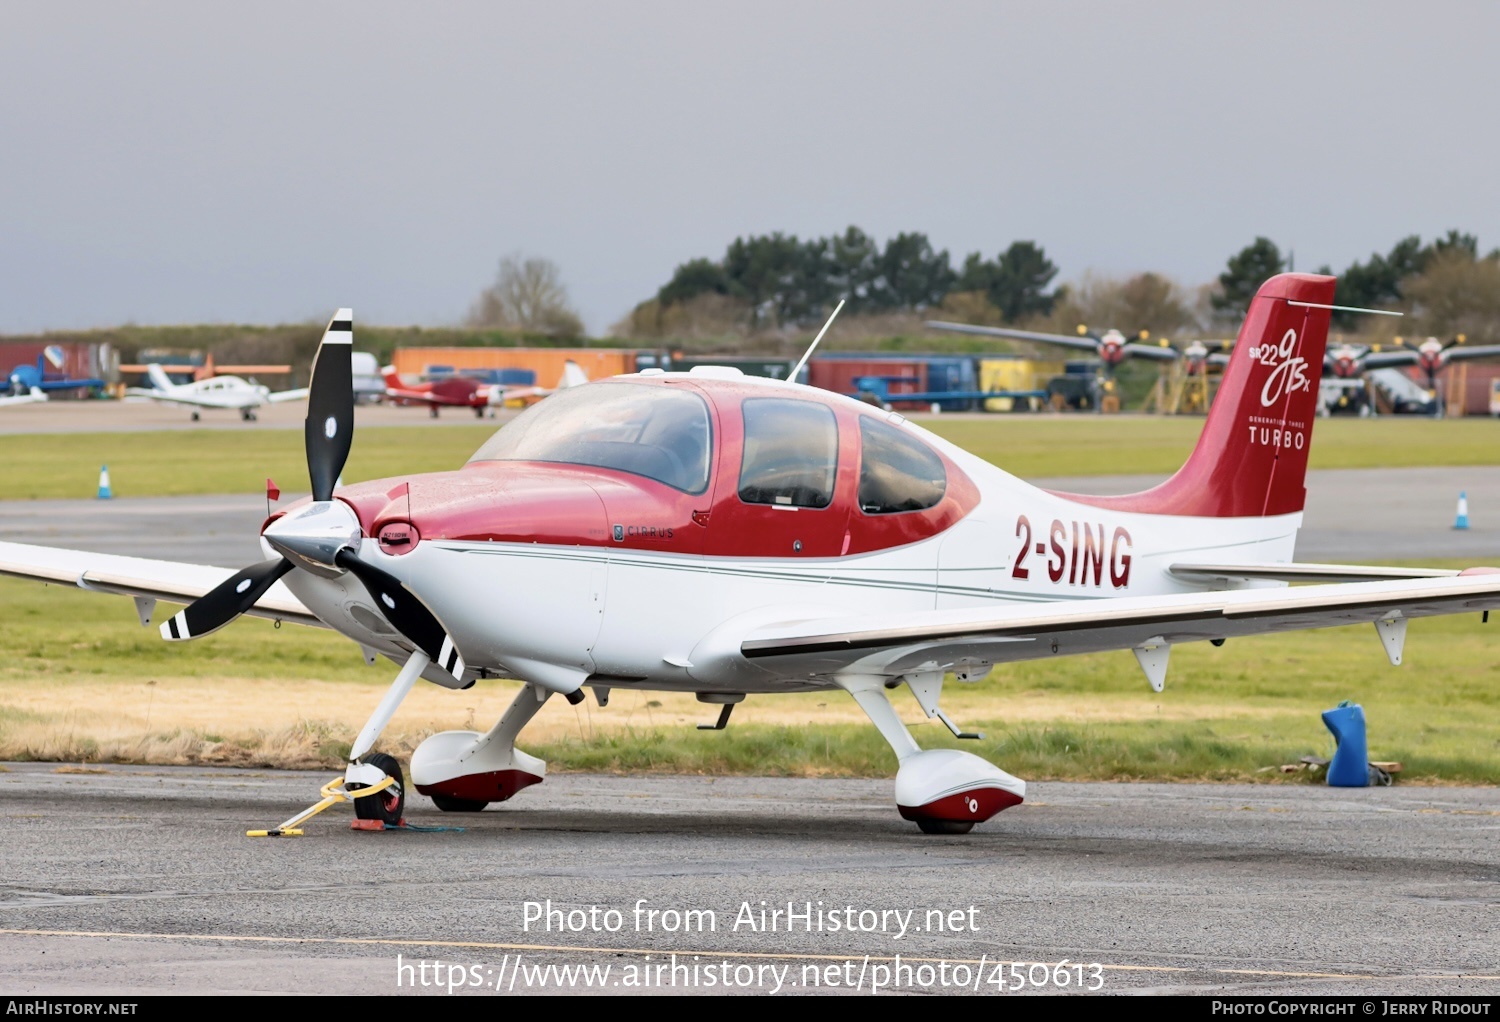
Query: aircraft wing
point(1387, 359)
point(1300, 572)
point(892, 645)
point(193, 400)
point(172, 581)
point(1081, 343)
point(1153, 351)
point(1460, 352)
point(421, 396)
point(279, 396)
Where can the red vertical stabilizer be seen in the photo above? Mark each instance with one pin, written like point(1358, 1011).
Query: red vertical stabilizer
point(1251, 460)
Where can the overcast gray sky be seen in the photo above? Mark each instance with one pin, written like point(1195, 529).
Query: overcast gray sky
point(182, 162)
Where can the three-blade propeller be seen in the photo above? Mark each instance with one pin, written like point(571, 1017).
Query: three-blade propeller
point(328, 433)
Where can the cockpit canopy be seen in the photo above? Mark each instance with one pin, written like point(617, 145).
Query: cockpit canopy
point(790, 447)
point(657, 432)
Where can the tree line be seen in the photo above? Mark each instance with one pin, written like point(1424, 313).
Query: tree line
point(776, 282)
point(783, 281)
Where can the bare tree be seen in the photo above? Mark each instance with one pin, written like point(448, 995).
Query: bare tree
point(528, 294)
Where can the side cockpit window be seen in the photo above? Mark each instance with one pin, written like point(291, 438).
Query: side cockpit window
point(897, 472)
point(791, 453)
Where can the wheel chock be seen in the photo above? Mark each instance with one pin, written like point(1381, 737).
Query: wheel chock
point(377, 825)
point(333, 793)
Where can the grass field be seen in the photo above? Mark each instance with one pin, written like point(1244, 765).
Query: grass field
point(81, 680)
point(228, 461)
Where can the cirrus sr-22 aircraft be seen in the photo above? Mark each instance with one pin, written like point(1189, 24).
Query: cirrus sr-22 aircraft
point(713, 533)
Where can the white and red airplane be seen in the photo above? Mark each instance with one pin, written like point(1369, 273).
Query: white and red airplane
point(466, 392)
point(213, 392)
point(713, 533)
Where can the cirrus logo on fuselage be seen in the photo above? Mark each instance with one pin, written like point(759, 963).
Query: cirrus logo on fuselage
point(1288, 374)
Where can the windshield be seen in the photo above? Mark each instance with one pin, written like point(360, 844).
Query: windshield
point(658, 432)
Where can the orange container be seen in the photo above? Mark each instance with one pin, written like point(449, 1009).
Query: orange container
point(547, 363)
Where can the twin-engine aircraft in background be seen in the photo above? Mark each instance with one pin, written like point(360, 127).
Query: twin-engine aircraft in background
point(1432, 356)
point(1111, 347)
point(713, 533)
point(215, 392)
point(467, 392)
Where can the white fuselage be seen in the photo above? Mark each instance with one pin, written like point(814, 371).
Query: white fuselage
point(649, 620)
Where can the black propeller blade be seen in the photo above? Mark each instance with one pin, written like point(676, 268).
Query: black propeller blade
point(329, 430)
point(408, 614)
point(225, 601)
point(329, 427)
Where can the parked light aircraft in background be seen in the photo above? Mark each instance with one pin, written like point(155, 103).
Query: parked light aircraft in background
point(465, 392)
point(1111, 347)
point(26, 381)
point(713, 533)
point(1431, 356)
point(215, 392)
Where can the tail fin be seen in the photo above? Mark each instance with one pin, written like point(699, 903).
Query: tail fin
point(1251, 460)
point(159, 378)
point(392, 378)
point(572, 375)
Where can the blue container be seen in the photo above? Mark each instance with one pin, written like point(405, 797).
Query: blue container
point(947, 374)
point(1351, 761)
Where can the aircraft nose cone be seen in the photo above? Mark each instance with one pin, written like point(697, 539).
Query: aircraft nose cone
point(312, 537)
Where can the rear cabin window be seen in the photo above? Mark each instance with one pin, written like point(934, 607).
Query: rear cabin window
point(897, 472)
point(791, 453)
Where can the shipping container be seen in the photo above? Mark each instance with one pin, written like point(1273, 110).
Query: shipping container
point(903, 374)
point(998, 372)
point(952, 373)
point(546, 363)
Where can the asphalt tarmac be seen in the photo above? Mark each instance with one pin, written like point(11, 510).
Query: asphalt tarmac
point(1353, 515)
point(123, 880)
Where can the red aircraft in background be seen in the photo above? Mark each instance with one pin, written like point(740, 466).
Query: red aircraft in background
point(465, 392)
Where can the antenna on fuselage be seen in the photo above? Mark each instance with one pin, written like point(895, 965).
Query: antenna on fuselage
point(792, 376)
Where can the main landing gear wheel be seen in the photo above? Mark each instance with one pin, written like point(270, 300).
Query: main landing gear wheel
point(385, 806)
point(195, 416)
point(457, 805)
point(945, 826)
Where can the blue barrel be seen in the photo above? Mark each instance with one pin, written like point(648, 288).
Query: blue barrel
point(1351, 761)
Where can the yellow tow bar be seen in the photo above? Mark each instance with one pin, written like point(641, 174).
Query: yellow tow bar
point(331, 796)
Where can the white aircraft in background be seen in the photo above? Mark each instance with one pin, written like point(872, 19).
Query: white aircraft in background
point(725, 535)
point(215, 392)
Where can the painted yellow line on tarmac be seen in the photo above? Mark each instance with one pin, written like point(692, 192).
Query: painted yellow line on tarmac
point(480, 945)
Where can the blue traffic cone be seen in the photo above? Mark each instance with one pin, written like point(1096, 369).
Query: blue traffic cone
point(1462, 521)
point(104, 493)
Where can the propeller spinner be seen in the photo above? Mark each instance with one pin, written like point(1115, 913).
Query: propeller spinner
point(323, 538)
